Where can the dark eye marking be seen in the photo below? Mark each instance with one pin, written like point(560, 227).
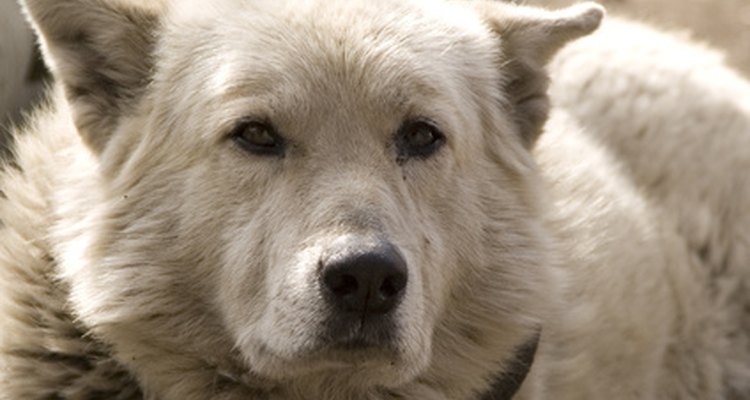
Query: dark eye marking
point(418, 138)
point(259, 138)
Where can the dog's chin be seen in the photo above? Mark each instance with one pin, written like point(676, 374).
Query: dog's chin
point(356, 361)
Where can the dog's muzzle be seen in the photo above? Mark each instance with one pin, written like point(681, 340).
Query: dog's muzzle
point(362, 282)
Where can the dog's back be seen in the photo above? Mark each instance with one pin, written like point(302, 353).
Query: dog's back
point(678, 119)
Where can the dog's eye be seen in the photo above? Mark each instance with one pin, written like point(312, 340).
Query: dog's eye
point(418, 138)
point(258, 138)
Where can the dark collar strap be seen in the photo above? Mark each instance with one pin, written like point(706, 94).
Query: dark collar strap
point(509, 381)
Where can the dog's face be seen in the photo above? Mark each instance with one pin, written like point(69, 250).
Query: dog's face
point(327, 147)
point(305, 188)
point(336, 163)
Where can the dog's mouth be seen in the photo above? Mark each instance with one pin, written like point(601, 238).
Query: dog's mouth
point(344, 343)
point(363, 332)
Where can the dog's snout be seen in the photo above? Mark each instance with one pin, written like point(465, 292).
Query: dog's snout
point(369, 280)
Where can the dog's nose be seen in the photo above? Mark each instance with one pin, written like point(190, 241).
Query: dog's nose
point(367, 280)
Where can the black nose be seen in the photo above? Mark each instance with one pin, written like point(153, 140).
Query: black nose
point(364, 279)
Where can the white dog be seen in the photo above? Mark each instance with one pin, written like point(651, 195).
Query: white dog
point(348, 200)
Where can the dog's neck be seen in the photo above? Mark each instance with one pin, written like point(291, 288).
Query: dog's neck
point(508, 382)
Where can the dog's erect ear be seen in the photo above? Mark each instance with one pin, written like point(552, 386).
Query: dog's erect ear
point(529, 37)
point(101, 52)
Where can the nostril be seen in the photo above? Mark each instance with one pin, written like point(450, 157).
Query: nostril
point(341, 284)
point(392, 286)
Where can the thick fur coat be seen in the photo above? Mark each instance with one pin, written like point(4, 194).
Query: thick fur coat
point(172, 216)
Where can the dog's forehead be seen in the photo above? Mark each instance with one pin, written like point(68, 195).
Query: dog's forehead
point(384, 28)
point(366, 14)
point(382, 51)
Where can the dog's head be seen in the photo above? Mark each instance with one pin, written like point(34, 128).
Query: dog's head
point(338, 188)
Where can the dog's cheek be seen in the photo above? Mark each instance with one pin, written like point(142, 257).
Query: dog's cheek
point(240, 289)
point(218, 248)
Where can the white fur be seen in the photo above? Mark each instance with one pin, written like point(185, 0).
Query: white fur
point(145, 254)
point(679, 120)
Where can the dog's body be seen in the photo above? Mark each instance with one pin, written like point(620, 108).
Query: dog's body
point(678, 121)
point(191, 216)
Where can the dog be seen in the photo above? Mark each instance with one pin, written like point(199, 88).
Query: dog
point(346, 200)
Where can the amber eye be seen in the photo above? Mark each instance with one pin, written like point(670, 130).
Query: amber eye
point(259, 138)
point(418, 138)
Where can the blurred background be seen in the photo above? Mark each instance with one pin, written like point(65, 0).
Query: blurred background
point(724, 24)
point(21, 71)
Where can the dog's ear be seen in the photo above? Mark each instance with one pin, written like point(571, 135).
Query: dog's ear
point(529, 37)
point(101, 52)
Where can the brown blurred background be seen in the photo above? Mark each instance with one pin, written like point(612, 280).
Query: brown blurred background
point(723, 24)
